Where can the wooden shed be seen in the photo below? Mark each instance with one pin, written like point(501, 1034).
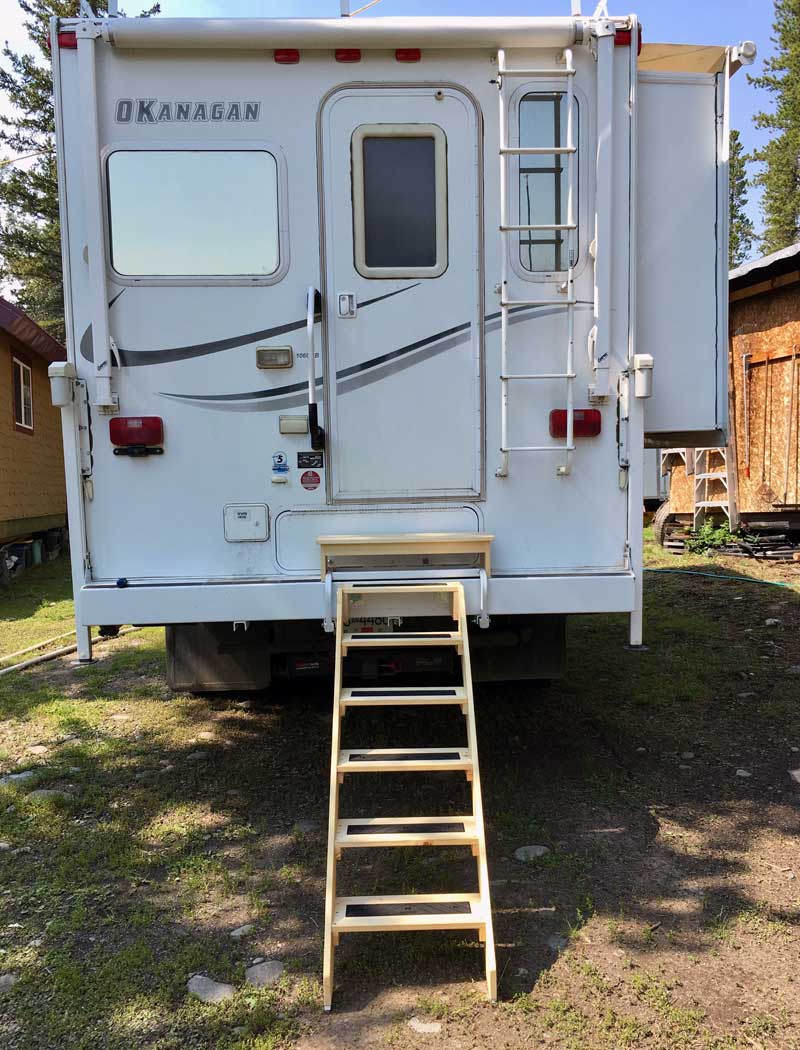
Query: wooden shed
point(32, 489)
point(755, 481)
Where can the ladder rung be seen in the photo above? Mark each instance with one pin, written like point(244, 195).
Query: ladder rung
point(536, 72)
point(399, 639)
point(536, 151)
point(402, 696)
point(363, 833)
point(715, 477)
point(404, 760)
point(508, 303)
point(544, 375)
point(713, 503)
point(539, 228)
point(422, 911)
point(539, 448)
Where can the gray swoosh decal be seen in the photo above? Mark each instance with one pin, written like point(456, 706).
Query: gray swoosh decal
point(134, 358)
point(355, 377)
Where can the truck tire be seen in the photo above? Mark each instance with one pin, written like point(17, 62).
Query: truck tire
point(662, 519)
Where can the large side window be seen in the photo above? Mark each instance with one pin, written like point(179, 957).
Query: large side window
point(23, 394)
point(543, 185)
point(194, 213)
point(399, 200)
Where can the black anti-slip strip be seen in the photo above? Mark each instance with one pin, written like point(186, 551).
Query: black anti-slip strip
point(445, 908)
point(402, 634)
point(409, 756)
point(406, 829)
point(358, 693)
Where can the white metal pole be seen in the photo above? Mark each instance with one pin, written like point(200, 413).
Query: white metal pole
point(95, 232)
point(502, 470)
point(635, 404)
point(603, 209)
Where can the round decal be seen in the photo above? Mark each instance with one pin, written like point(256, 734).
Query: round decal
point(310, 479)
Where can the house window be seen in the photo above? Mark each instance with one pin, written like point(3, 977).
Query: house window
point(194, 213)
point(543, 181)
point(399, 200)
point(23, 394)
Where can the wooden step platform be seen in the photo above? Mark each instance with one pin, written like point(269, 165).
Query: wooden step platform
point(404, 760)
point(403, 696)
point(422, 911)
point(400, 640)
point(366, 832)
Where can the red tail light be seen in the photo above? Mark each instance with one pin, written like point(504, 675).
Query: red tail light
point(586, 422)
point(136, 431)
point(408, 54)
point(68, 39)
point(287, 56)
point(347, 54)
point(622, 38)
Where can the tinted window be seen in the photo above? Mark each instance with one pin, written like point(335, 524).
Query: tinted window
point(543, 182)
point(193, 213)
point(399, 202)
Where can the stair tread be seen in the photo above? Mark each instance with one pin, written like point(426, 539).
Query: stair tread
point(377, 759)
point(397, 696)
point(383, 639)
point(400, 588)
point(406, 831)
point(422, 911)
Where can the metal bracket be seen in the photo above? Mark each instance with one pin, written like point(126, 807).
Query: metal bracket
point(483, 616)
point(328, 621)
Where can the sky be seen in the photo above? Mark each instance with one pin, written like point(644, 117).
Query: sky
point(666, 21)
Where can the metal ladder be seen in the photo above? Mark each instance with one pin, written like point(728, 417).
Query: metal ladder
point(706, 502)
point(506, 227)
point(439, 911)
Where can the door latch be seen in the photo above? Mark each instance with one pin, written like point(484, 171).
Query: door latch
point(347, 305)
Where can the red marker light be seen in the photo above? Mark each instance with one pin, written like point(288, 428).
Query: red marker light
point(622, 38)
point(408, 54)
point(68, 39)
point(129, 431)
point(287, 56)
point(347, 54)
point(586, 422)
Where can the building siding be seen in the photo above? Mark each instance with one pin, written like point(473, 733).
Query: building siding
point(31, 464)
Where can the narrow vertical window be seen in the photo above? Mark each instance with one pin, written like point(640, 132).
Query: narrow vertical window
point(399, 200)
point(543, 183)
point(23, 394)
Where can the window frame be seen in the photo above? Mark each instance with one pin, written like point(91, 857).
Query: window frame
point(393, 131)
point(22, 362)
point(513, 244)
point(189, 280)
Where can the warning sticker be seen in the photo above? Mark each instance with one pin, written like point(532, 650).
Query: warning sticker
point(310, 479)
point(309, 459)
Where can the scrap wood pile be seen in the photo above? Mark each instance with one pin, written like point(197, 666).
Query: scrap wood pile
point(763, 546)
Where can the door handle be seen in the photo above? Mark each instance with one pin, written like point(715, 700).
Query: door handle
point(313, 307)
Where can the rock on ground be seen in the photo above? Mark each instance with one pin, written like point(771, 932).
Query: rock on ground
point(557, 943)
point(7, 982)
point(209, 991)
point(264, 974)
point(526, 853)
point(17, 778)
point(425, 1027)
point(54, 793)
point(242, 931)
point(743, 773)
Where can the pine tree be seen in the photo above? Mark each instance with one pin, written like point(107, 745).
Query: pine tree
point(742, 233)
point(779, 175)
point(30, 239)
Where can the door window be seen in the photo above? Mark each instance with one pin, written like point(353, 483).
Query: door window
point(399, 200)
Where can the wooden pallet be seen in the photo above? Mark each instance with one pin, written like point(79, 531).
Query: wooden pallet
point(447, 911)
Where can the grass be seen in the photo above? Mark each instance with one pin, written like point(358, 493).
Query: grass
point(112, 897)
point(37, 606)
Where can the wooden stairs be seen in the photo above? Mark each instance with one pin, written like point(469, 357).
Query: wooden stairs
point(437, 911)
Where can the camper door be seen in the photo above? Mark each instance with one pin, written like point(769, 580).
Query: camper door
point(402, 298)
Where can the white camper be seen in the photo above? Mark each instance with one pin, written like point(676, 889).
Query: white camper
point(369, 321)
point(373, 276)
